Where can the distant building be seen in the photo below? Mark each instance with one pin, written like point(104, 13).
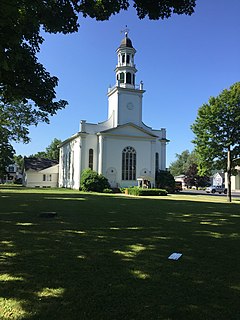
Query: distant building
point(122, 148)
point(218, 179)
point(181, 178)
point(235, 180)
point(40, 173)
point(13, 173)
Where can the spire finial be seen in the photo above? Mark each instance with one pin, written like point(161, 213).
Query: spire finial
point(126, 31)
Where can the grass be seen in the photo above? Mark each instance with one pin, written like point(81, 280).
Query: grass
point(104, 257)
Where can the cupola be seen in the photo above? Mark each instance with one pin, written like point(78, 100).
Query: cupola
point(126, 70)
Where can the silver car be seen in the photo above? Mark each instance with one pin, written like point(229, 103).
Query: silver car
point(214, 189)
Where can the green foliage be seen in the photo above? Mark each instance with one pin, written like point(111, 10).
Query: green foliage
point(22, 76)
point(92, 181)
point(51, 152)
point(6, 153)
point(154, 9)
point(183, 162)
point(194, 179)
point(40, 154)
point(135, 191)
point(53, 149)
point(217, 130)
point(18, 160)
point(163, 9)
point(187, 164)
point(165, 180)
point(107, 190)
point(16, 117)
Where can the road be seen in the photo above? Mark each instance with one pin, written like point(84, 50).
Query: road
point(189, 191)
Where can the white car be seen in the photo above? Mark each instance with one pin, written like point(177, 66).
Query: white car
point(214, 189)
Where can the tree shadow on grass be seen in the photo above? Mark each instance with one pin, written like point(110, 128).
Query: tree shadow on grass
point(105, 257)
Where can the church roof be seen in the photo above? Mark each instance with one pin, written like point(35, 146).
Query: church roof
point(126, 42)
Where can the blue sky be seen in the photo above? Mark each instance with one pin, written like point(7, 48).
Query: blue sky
point(182, 61)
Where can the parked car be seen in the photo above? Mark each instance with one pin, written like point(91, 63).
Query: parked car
point(214, 189)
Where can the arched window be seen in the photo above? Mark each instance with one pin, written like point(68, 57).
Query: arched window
point(90, 159)
point(128, 77)
point(128, 58)
point(157, 161)
point(121, 77)
point(134, 79)
point(129, 164)
point(123, 58)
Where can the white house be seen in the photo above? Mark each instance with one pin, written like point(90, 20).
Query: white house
point(235, 179)
point(122, 148)
point(40, 173)
point(13, 173)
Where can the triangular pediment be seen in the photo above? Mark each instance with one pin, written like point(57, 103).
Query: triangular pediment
point(130, 130)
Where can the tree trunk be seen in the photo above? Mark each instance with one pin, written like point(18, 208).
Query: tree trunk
point(229, 192)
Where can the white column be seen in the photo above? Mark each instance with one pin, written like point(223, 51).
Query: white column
point(153, 157)
point(163, 156)
point(60, 179)
point(104, 156)
point(83, 151)
point(77, 155)
point(100, 160)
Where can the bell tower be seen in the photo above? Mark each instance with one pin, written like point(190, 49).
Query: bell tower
point(125, 69)
point(125, 98)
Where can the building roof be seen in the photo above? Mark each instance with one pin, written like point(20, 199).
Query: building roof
point(38, 164)
point(129, 124)
point(126, 42)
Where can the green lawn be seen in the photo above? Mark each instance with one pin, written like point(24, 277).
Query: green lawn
point(105, 257)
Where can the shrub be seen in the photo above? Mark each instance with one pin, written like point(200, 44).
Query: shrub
point(146, 192)
point(92, 181)
point(107, 190)
point(165, 180)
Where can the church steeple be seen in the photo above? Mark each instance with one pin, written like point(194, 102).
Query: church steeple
point(125, 69)
point(125, 98)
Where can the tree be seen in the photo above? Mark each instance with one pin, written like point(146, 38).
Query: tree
point(51, 152)
point(187, 164)
point(154, 9)
point(194, 179)
point(217, 132)
point(6, 154)
point(53, 149)
point(165, 180)
point(19, 160)
point(16, 117)
point(26, 87)
point(92, 181)
point(22, 77)
point(181, 165)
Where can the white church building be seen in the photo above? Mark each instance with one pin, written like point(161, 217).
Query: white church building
point(122, 148)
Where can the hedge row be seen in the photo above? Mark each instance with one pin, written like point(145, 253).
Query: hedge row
point(146, 192)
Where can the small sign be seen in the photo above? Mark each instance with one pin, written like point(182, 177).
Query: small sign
point(175, 256)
